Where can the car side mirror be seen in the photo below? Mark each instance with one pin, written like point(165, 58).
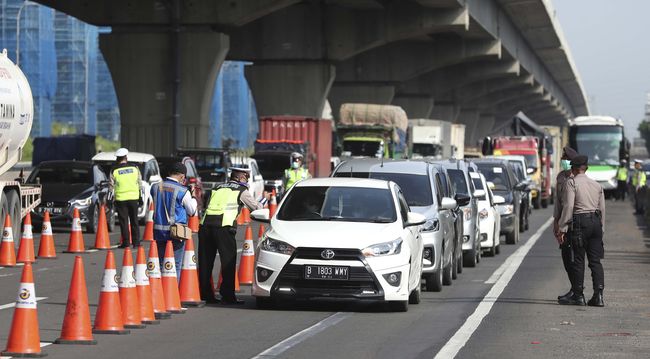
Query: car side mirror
point(479, 193)
point(462, 199)
point(521, 186)
point(261, 215)
point(498, 200)
point(448, 203)
point(414, 219)
point(530, 170)
point(155, 179)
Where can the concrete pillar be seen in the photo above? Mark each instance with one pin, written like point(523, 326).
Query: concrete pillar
point(445, 111)
point(416, 106)
point(470, 118)
point(281, 88)
point(141, 67)
point(484, 126)
point(344, 92)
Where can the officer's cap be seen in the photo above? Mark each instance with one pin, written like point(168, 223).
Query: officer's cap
point(296, 155)
point(579, 160)
point(121, 152)
point(638, 161)
point(569, 152)
point(178, 168)
point(240, 169)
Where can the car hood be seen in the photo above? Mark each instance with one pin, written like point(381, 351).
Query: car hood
point(428, 212)
point(61, 192)
point(333, 234)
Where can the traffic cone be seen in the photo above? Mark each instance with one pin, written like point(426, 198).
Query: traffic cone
point(237, 288)
point(247, 259)
point(129, 294)
point(148, 226)
point(76, 242)
point(102, 240)
point(122, 239)
point(240, 219)
point(169, 282)
point(246, 213)
point(24, 339)
point(7, 248)
point(260, 232)
point(157, 294)
point(144, 289)
point(193, 223)
point(26, 248)
point(76, 327)
point(273, 204)
point(46, 247)
point(108, 318)
point(189, 291)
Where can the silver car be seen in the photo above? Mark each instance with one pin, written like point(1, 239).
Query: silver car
point(421, 183)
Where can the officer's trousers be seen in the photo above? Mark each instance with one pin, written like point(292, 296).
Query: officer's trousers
point(639, 198)
point(127, 213)
point(621, 189)
point(566, 260)
point(211, 240)
point(592, 238)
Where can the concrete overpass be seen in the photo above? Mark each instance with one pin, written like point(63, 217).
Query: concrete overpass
point(471, 61)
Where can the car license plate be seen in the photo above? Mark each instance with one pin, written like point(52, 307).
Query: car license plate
point(52, 210)
point(326, 272)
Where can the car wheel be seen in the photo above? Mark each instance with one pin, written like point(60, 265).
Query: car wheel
point(545, 203)
point(454, 267)
point(264, 302)
point(493, 250)
point(433, 281)
point(536, 202)
point(522, 222)
point(446, 274)
point(14, 211)
point(479, 253)
point(93, 221)
point(459, 260)
point(527, 221)
point(497, 249)
point(399, 305)
point(110, 219)
point(469, 258)
point(513, 237)
point(414, 298)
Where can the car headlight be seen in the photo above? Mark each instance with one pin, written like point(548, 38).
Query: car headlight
point(383, 249)
point(467, 213)
point(83, 202)
point(483, 214)
point(431, 225)
point(273, 245)
point(506, 209)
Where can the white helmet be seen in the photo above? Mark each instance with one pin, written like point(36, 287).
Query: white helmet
point(121, 152)
point(297, 155)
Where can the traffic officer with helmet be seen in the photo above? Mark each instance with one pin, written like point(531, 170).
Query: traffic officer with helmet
point(126, 182)
point(638, 185)
point(621, 179)
point(218, 231)
point(296, 173)
point(568, 154)
point(582, 225)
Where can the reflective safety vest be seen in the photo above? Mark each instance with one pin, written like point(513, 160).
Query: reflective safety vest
point(127, 183)
point(224, 205)
point(292, 176)
point(639, 178)
point(621, 174)
point(168, 200)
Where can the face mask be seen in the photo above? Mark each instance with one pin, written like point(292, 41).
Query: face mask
point(295, 165)
point(566, 164)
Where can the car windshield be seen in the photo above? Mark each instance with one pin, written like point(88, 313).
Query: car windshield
point(62, 175)
point(496, 174)
point(457, 178)
point(350, 204)
point(210, 166)
point(272, 166)
point(416, 188)
point(363, 148)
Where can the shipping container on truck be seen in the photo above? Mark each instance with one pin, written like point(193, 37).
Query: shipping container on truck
point(16, 117)
point(435, 139)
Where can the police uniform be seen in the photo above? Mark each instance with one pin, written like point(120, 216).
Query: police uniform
point(621, 178)
point(126, 181)
point(583, 224)
point(560, 181)
point(293, 175)
point(638, 185)
point(217, 233)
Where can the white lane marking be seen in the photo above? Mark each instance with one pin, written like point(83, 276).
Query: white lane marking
point(17, 265)
point(92, 250)
point(42, 344)
point(303, 335)
point(461, 337)
point(11, 305)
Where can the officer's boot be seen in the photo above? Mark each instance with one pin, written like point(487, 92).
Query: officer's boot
point(597, 299)
point(574, 299)
point(565, 296)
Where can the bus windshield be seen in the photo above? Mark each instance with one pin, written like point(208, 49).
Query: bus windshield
point(601, 143)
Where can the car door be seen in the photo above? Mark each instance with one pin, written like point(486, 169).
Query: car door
point(445, 216)
point(257, 179)
point(412, 235)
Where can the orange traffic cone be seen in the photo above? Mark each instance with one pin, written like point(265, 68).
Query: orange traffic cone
point(144, 289)
point(157, 294)
point(46, 247)
point(193, 223)
point(148, 226)
point(247, 260)
point(122, 239)
point(129, 294)
point(24, 339)
point(237, 288)
point(260, 232)
point(108, 318)
point(26, 248)
point(76, 243)
point(169, 282)
point(240, 219)
point(273, 204)
point(102, 240)
point(189, 291)
point(76, 327)
point(246, 213)
point(7, 248)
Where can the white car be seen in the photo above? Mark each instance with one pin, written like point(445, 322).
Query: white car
point(341, 238)
point(256, 181)
point(148, 168)
point(489, 216)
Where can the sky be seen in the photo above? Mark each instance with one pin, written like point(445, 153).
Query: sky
point(610, 44)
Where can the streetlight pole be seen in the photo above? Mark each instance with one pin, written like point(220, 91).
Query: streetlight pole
point(20, 10)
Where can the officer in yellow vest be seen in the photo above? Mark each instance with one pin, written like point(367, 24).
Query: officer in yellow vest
point(638, 184)
point(621, 178)
point(218, 231)
point(126, 182)
point(296, 173)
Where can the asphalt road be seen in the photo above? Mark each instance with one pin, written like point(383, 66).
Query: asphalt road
point(502, 310)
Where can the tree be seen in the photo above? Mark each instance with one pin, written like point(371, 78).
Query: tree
point(644, 129)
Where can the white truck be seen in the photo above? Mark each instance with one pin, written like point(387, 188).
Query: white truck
point(435, 139)
point(16, 116)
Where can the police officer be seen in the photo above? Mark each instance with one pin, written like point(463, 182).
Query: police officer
point(582, 225)
point(638, 186)
point(568, 154)
point(621, 178)
point(126, 181)
point(217, 233)
point(296, 173)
